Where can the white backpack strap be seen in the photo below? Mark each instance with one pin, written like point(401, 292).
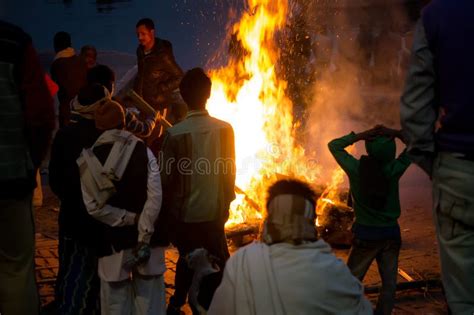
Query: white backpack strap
point(96, 169)
point(92, 178)
point(124, 143)
point(97, 178)
point(120, 154)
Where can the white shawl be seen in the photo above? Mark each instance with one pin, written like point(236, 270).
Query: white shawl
point(288, 279)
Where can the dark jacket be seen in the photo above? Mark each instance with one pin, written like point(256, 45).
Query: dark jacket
point(450, 32)
point(158, 74)
point(70, 75)
point(26, 113)
point(74, 220)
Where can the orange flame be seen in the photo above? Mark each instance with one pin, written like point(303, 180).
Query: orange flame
point(330, 195)
point(248, 94)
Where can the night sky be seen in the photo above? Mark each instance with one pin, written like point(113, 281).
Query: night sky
point(196, 28)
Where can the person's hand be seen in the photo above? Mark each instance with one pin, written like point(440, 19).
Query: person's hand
point(387, 132)
point(140, 255)
point(369, 134)
point(392, 133)
point(157, 117)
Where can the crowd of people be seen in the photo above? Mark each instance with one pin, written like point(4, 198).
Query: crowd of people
point(116, 165)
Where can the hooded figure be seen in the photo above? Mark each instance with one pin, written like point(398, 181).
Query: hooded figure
point(374, 171)
point(374, 189)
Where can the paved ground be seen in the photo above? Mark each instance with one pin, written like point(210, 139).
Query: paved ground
point(418, 257)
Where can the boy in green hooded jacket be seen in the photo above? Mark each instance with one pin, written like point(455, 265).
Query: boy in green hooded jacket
point(374, 188)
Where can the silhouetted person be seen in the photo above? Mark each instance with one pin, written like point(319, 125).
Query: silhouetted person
point(26, 124)
point(89, 55)
point(77, 283)
point(198, 201)
point(69, 72)
point(374, 189)
point(437, 110)
point(139, 124)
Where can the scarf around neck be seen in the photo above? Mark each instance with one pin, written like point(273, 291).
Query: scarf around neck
point(65, 53)
point(88, 111)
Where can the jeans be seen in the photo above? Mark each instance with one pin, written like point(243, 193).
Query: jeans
point(385, 252)
point(453, 212)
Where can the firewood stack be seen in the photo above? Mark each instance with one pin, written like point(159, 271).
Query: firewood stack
point(334, 225)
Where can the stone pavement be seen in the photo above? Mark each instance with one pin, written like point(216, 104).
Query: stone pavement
point(47, 269)
point(46, 266)
point(418, 257)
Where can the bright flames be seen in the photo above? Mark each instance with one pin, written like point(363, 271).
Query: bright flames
point(248, 94)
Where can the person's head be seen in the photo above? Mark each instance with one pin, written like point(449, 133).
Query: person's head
point(383, 149)
point(62, 40)
point(195, 88)
point(103, 75)
point(109, 115)
point(90, 94)
point(291, 214)
point(89, 54)
point(145, 29)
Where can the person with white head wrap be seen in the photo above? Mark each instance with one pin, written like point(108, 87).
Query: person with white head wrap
point(290, 270)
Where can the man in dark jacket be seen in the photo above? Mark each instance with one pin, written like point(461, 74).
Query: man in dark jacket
point(77, 284)
point(69, 72)
point(437, 109)
point(158, 75)
point(26, 124)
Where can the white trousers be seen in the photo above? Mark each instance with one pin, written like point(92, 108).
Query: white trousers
point(141, 295)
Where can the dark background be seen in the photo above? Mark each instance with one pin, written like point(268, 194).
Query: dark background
point(195, 27)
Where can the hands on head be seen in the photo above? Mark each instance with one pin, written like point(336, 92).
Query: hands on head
point(380, 130)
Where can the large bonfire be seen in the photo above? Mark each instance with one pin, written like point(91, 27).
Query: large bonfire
point(248, 94)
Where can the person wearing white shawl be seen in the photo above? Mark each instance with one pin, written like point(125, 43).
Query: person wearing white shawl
point(290, 271)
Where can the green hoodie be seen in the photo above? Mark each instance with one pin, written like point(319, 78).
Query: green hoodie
point(383, 150)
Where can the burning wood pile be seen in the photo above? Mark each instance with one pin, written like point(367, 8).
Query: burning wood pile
point(257, 107)
point(333, 224)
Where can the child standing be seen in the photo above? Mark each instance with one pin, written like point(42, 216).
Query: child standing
point(374, 187)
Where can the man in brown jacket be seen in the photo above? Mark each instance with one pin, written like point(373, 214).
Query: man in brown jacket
point(158, 76)
point(69, 72)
